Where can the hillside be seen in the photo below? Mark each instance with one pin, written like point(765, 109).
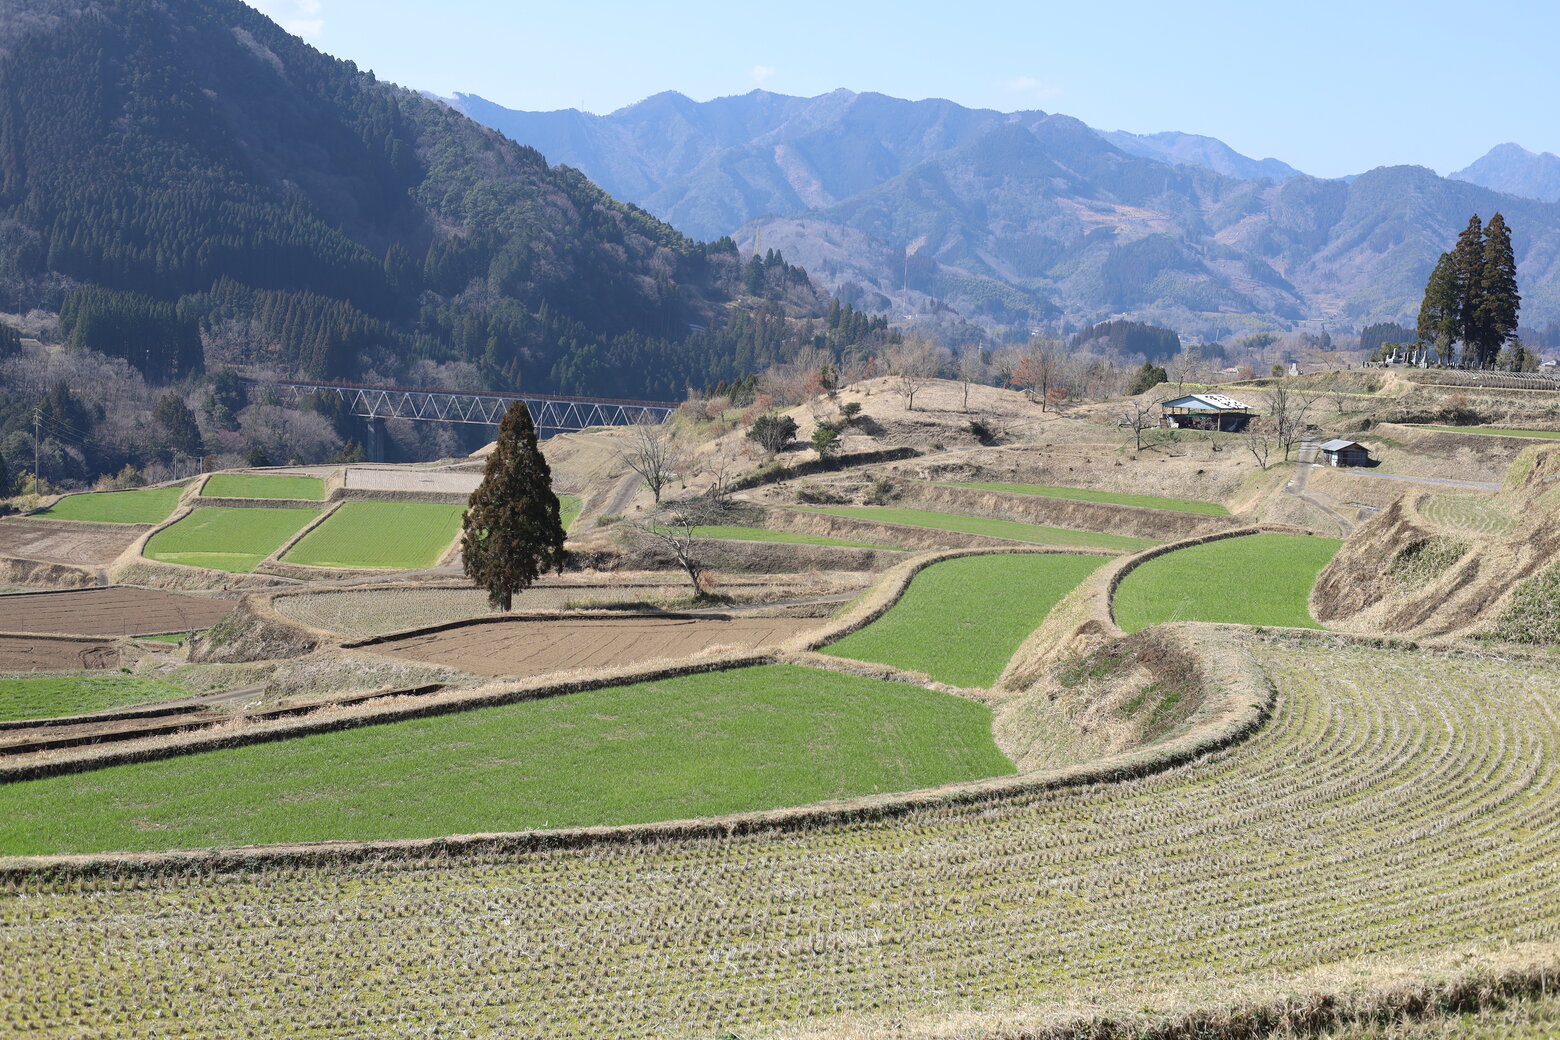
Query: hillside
point(1031, 218)
point(316, 221)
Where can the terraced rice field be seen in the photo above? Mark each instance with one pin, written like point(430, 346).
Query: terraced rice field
point(763, 534)
point(961, 620)
point(227, 538)
point(1475, 514)
point(1397, 804)
point(1495, 431)
point(734, 741)
point(66, 541)
point(1533, 1019)
point(1013, 530)
point(522, 647)
point(1260, 579)
point(379, 612)
point(1179, 505)
point(264, 485)
point(112, 611)
point(146, 506)
point(55, 696)
point(380, 535)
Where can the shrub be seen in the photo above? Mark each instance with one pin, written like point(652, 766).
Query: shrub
point(825, 441)
point(772, 432)
point(981, 432)
point(882, 491)
point(850, 410)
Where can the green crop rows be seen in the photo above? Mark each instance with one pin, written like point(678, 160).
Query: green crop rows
point(263, 485)
point(1013, 530)
point(1179, 505)
point(397, 535)
point(54, 696)
point(147, 506)
point(763, 534)
point(698, 745)
point(1261, 579)
point(227, 538)
point(961, 620)
point(1397, 804)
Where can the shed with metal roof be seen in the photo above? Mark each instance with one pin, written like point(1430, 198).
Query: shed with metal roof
point(1206, 411)
point(1344, 453)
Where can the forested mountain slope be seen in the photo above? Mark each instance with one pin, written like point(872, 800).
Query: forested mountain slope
point(188, 161)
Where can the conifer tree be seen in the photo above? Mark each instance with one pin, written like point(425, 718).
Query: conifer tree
point(1440, 312)
point(1498, 300)
point(512, 531)
point(1468, 264)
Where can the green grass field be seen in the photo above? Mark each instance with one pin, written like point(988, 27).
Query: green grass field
point(1260, 579)
point(147, 506)
point(1495, 431)
point(264, 485)
point(1013, 530)
point(763, 534)
point(227, 538)
point(960, 621)
point(1179, 505)
point(392, 535)
point(568, 509)
point(53, 696)
point(698, 745)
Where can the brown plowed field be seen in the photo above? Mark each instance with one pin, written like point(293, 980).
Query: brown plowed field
point(25, 654)
point(521, 647)
point(114, 611)
point(62, 541)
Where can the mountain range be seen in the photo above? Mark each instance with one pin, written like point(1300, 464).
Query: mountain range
point(1024, 219)
point(1514, 170)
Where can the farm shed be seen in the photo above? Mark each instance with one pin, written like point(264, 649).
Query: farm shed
point(1344, 453)
point(1205, 412)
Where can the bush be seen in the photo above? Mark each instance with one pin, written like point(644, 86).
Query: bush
point(825, 441)
point(981, 432)
point(821, 496)
point(882, 491)
point(850, 410)
point(772, 432)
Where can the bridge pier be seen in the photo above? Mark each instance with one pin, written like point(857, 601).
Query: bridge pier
point(374, 439)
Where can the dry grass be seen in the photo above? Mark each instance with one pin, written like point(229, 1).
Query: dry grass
point(1360, 822)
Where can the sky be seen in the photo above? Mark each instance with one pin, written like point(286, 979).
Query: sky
point(1329, 87)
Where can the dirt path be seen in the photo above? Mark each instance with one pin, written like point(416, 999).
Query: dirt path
point(1437, 481)
point(1305, 462)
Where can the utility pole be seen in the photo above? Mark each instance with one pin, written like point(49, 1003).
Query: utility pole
point(37, 423)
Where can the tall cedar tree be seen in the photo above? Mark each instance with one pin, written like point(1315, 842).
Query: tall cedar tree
point(1468, 263)
point(512, 531)
point(1498, 299)
point(1438, 314)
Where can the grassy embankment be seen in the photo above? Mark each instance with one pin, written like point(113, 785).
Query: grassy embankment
point(1492, 431)
point(724, 532)
point(1012, 530)
point(390, 535)
point(147, 506)
point(264, 485)
point(227, 538)
point(54, 696)
point(1262, 579)
point(962, 620)
point(692, 746)
point(1179, 505)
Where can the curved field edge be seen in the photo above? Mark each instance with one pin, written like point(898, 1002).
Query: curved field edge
point(1188, 889)
point(1236, 706)
point(691, 746)
point(1265, 579)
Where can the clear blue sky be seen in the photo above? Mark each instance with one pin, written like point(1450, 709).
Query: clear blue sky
point(1331, 87)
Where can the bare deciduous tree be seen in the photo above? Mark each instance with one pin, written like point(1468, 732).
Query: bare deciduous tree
point(1289, 414)
point(1040, 369)
point(1260, 438)
point(972, 369)
point(1138, 415)
point(653, 453)
point(676, 530)
point(911, 365)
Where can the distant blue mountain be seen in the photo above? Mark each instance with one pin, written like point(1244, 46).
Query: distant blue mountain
point(1023, 219)
point(1514, 170)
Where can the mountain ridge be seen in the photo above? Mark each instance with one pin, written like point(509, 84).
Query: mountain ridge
point(1033, 219)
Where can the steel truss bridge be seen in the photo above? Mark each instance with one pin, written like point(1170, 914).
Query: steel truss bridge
point(551, 412)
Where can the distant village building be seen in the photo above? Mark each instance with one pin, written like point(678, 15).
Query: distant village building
point(1205, 412)
point(1344, 453)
